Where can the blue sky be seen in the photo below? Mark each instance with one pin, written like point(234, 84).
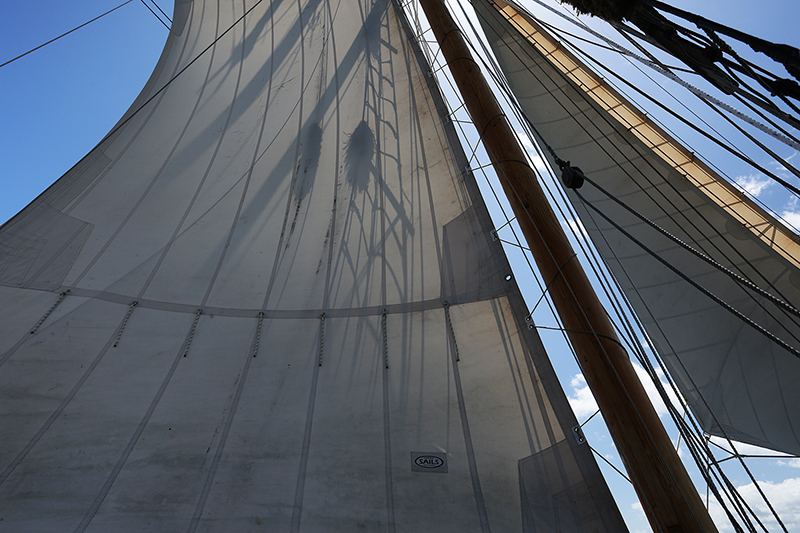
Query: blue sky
point(58, 102)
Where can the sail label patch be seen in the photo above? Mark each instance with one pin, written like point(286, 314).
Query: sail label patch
point(429, 462)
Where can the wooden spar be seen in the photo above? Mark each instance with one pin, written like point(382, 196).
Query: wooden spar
point(668, 495)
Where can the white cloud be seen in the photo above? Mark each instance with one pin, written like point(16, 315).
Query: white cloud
point(753, 184)
point(792, 217)
point(784, 497)
point(584, 404)
point(779, 168)
point(581, 400)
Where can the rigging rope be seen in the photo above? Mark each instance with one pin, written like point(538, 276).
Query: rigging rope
point(734, 276)
point(691, 88)
point(726, 145)
point(65, 34)
point(693, 283)
point(694, 438)
point(155, 14)
point(562, 164)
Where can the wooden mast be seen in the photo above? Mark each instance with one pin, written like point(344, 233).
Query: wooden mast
point(668, 495)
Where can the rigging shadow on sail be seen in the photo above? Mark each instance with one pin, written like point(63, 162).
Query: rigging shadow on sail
point(288, 289)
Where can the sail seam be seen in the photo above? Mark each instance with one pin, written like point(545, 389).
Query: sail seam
point(462, 409)
point(60, 409)
point(223, 439)
point(112, 477)
point(297, 509)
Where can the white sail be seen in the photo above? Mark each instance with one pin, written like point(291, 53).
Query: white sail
point(736, 378)
point(270, 298)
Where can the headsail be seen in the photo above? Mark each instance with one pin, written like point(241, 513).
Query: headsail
point(270, 295)
point(735, 377)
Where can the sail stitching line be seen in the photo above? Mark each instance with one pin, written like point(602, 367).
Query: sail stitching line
point(246, 186)
point(191, 332)
point(297, 507)
point(49, 311)
point(279, 252)
point(387, 433)
point(418, 305)
point(452, 332)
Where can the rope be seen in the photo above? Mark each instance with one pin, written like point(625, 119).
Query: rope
point(321, 337)
point(155, 14)
point(125, 321)
point(722, 268)
point(65, 34)
point(191, 333)
point(691, 88)
point(258, 333)
point(49, 311)
point(452, 331)
point(696, 285)
point(385, 340)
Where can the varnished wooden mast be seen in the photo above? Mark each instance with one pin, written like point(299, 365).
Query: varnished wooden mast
point(668, 496)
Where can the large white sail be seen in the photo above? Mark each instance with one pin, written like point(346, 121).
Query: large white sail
point(736, 378)
point(270, 298)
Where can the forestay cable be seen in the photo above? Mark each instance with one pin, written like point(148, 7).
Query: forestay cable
point(65, 34)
